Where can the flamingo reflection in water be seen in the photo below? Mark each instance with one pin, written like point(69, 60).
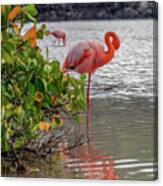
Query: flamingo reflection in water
point(86, 162)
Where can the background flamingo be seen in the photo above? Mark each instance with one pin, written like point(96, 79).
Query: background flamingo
point(59, 34)
point(87, 56)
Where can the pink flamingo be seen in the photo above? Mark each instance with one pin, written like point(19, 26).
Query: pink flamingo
point(59, 34)
point(88, 56)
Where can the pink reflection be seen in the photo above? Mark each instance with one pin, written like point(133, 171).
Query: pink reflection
point(87, 162)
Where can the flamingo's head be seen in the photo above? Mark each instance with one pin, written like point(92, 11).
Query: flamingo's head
point(116, 41)
point(114, 37)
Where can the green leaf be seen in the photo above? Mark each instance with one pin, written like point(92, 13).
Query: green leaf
point(47, 53)
point(41, 84)
point(78, 119)
point(31, 10)
point(56, 67)
point(40, 34)
point(19, 142)
point(10, 46)
point(6, 56)
point(31, 89)
point(31, 17)
point(52, 89)
point(5, 144)
point(82, 77)
point(43, 26)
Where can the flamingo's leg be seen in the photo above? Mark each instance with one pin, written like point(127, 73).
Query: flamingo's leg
point(88, 110)
point(54, 43)
point(88, 102)
point(62, 43)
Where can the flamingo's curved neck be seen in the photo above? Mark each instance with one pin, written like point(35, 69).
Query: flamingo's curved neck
point(112, 46)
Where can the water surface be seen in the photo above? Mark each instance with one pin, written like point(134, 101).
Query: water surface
point(130, 73)
point(123, 129)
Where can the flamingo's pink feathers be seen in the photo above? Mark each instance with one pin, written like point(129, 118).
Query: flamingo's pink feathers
point(87, 56)
point(84, 57)
point(58, 34)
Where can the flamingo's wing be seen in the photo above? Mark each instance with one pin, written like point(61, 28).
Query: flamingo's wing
point(59, 33)
point(77, 55)
point(96, 46)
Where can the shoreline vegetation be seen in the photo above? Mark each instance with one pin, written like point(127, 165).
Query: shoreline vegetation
point(37, 97)
point(97, 11)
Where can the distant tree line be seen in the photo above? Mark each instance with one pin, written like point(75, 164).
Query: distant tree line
point(97, 11)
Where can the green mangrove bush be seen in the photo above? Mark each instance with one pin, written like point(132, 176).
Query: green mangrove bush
point(34, 92)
